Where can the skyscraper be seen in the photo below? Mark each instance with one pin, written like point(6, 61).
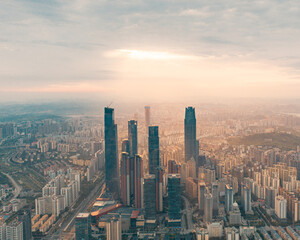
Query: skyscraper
point(190, 143)
point(24, 216)
point(139, 182)
point(149, 196)
point(174, 195)
point(201, 199)
point(111, 152)
point(215, 196)
point(132, 137)
point(246, 198)
point(83, 226)
point(125, 179)
point(147, 116)
point(208, 209)
point(228, 198)
point(159, 189)
point(153, 146)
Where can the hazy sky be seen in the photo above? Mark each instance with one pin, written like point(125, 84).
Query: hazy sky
point(150, 50)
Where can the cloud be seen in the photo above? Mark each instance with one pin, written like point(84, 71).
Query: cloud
point(138, 43)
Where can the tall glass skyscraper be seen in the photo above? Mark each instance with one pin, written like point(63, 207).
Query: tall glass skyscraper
point(228, 198)
point(125, 179)
point(132, 137)
point(174, 197)
point(190, 144)
point(153, 145)
point(138, 182)
point(149, 196)
point(83, 226)
point(111, 152)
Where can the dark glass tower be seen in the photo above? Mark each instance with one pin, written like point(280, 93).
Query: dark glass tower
point(24, 216)
point(132, 137)
point(174, 194)
point(149, 196)
point(153, 144)
point(111, 152)
point(190, 144)
point(83, 226)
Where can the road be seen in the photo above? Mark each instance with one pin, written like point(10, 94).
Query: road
point(188, 211)
point(68, 224)
point(17, 187)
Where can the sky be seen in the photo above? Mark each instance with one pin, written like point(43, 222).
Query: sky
point(136, 50)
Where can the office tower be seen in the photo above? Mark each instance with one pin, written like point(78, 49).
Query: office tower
point(208, 207)
point(149, 196)
point(174, 195)
point(111, 152)
point(228, 198)
point(215, 196)
point(126, 146)
point(190, 134)
point(246, 198)
point(83, 226)
point(147, 116)
point(114, 228)
point(173, 167)
point(138, 182)
point(132, 137)
point(201, 192)
point(280, 207)
point(125, 179)
point(159, 189)
point(235, 215)
point(153, 145)
point(14, 231)
point(24, 216)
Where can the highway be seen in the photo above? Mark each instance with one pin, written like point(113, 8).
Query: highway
point(17, 187)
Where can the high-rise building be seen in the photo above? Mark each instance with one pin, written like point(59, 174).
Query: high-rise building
point(14, 231)
point(132, 137)
point(147, 116)
point(190, 134)
point(201, 199)
point(83, 226)
point(114, 228)
point(111, 152)
point(138, 182)
point(125, 179)
point(149, 196)
point(281, 207)
point(228, 198)
point(159, 189)
point(24, 216)
point(126, 146)
point(153, 146)
point(246, 198)
point(208, 207)
point(215, 196)
point(174, 195)
point(2, 230)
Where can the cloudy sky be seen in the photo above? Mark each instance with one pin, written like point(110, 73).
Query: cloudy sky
point(149, 50)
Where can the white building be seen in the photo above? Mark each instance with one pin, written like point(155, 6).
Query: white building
point(280, 207)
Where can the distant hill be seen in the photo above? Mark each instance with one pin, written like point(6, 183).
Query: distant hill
point(283, 141)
